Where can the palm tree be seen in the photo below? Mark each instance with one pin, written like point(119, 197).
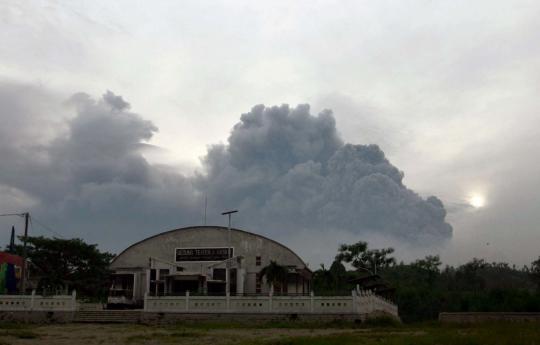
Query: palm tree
point(274, 273)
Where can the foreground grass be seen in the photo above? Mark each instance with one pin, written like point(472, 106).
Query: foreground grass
point(426, 334)
point(17, 331)
point(287, 324)
point(377, 332)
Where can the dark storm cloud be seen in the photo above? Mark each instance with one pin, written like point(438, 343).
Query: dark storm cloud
point(286, 169)
point(90, 179)
point(283, 167)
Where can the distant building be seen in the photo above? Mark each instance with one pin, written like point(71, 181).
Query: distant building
point(10, 272)
point(194, 259)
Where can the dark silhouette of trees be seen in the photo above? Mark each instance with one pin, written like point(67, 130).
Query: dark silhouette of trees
point(535, 272)
point(424, 288)
point(362, 258)
point(61, 265)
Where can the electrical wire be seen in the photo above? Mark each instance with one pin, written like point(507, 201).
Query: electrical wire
point(32, 218)
point(12, 214)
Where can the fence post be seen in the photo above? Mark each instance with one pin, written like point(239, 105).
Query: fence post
point(270, 294)
point(311, 301)
point(228, 301)
point(74, 299)
point(187, 300)
point(32, 299)
point(354, 307)
point(145, 305)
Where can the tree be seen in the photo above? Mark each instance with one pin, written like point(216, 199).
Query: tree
point(430, 265)
point(362, 258)
point(467, 275)
point(59, 264)
point(535, 272)
point(331, 281)
point(322, 281)
point(338, 274)
point(274, 274)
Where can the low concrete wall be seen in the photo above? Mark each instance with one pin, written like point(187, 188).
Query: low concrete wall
point(35, 302)
point(360, 302)
point(487, 316)
point(36, 316)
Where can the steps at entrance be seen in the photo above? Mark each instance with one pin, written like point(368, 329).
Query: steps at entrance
point(90, 306)
point(107, 316)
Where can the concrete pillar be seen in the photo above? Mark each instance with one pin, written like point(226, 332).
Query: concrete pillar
point(205, 286)
point(187, 300)
point(32, 299)
point(147, 289)
point(135, 288)
point(240, 280)
point(74, 300)
point(270, 300)
point(311, 302)
point(145, 302)
point(228, 301)
point(354, 301)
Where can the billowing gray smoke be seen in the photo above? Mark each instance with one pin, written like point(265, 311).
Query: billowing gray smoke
point(288, 169)
point(284, 168)
point(90, 179)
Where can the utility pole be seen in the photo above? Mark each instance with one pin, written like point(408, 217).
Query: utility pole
point(25, 254)
point(229, 252)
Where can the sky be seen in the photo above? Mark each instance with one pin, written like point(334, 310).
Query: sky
point(119, 117)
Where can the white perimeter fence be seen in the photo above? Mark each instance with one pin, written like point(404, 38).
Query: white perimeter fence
point(360, 302)
point(38, 303)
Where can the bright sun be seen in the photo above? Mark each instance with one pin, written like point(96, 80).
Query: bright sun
point(477, 201)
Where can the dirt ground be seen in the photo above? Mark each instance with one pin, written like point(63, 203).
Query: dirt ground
point(500, 333)
point(138, 334)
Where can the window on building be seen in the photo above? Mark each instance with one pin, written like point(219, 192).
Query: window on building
point(257, 261)
point(219, 274)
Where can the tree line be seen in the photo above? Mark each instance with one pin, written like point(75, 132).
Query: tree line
point(62, 265)
point(424, 288)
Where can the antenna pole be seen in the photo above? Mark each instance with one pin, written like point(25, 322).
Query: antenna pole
point(205, 207)
point(229, 252)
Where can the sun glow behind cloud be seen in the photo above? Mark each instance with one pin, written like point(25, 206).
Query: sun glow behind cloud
point(477, 201)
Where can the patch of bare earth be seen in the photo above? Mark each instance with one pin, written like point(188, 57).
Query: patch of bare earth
point(93, 334)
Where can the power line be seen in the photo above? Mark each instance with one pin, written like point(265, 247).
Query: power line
point(12, 214)
point(32, 218)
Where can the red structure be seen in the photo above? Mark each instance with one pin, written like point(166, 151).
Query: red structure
point(7, 258)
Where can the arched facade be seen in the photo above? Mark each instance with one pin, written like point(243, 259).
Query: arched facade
point(196, 259)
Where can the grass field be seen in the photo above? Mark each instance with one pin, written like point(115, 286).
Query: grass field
point(274, 334)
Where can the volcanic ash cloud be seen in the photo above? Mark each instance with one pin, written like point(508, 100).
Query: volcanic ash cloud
point(287, 169)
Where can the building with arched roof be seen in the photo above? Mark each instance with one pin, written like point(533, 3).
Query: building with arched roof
point(197, 258)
